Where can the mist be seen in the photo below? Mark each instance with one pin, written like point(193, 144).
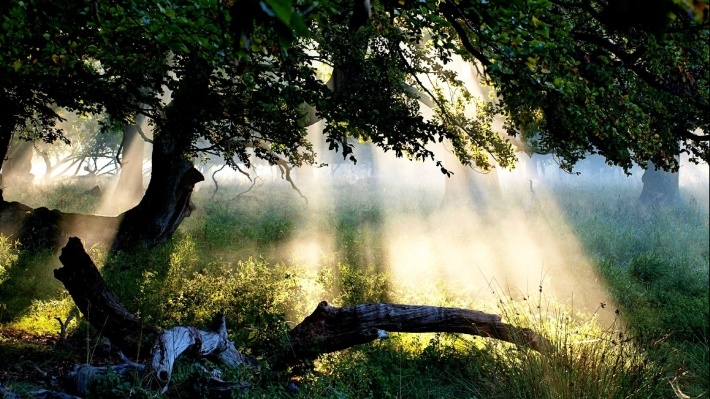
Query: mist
point(487, 235)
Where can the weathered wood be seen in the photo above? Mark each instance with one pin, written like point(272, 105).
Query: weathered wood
point(177, 340)
point(331, 329)
point(99, 304)
point(327, 329)
point(83, 374)
point(107, 315)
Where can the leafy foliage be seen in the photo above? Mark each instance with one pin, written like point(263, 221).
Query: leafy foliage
point(567, 75)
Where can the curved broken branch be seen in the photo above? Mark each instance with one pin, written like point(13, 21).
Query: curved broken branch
point(331, 329)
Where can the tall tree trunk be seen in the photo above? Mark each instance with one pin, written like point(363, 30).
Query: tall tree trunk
point(659, 187)
point(8, 123)
point(17, 166)
point(167, 199)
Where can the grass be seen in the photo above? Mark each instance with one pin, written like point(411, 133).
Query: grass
point(245, 256)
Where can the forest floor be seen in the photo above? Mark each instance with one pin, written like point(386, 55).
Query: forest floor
point(583, 263)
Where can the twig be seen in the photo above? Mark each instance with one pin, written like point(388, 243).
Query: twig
point(253, 182)
point(63, 325)
point(214, 179)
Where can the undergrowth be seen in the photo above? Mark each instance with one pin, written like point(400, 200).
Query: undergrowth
point(232, 256)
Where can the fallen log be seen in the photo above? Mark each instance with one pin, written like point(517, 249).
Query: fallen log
point(331, 329)
point(99, 305)
point(327, 329)
point(130, 335)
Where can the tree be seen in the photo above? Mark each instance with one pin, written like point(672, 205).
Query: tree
point(565, 74)
point(578, 81)
point(50, 58)
point(19, 163)
point(659, 187)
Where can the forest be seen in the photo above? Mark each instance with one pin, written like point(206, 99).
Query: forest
point(367, 199)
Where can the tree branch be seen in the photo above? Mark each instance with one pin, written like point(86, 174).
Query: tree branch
point(331, 329)
point(629, 61)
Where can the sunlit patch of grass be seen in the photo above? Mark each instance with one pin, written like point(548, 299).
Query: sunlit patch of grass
point(68, 195)
point(586, 361)
point(41, 317)
point(30, 298)
point(349, 285)
point(243, 227)
point(29, 279)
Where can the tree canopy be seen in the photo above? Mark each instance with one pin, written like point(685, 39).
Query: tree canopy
point(572, 77)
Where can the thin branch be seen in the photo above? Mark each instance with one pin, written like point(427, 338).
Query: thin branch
point(645, 75)
point(462, 35)
point(145, 138)
point(286, 174)
point(214, 179)
point(253, 182)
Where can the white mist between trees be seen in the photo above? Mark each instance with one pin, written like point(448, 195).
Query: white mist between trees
point(512, 245)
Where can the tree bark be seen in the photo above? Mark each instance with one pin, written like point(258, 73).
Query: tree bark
point(659, 187)
point(8, 123)
point(167, 199)
point(166, 202)
point(330, 329)
point(100, 305)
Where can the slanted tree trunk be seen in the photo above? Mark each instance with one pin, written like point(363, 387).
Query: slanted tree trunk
point(659, 187)
point(128, 333)
point(100, 305)
point(330, 329)
point(45, 228)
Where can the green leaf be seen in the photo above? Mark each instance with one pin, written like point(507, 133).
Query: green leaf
point(282, 9)
point(299, 26)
